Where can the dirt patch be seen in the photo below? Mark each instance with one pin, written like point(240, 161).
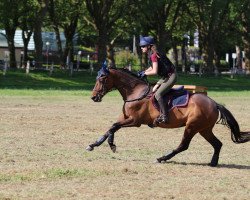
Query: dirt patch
point(43, 154)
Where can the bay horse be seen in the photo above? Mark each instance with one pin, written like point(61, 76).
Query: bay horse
point(198, 116)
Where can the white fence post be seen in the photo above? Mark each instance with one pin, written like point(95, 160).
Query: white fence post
point(28, 67)
point(51, 69)
point(233, 70)
point(71, 68)
point(129, 67)
point(91, 67)
point(5, 67)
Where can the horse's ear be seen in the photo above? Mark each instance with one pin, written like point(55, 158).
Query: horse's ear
point(104, 64)
point(105, 67)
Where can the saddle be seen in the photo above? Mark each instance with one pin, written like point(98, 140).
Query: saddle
point(176, 97)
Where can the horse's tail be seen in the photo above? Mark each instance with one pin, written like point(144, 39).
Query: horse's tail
point(227, 119)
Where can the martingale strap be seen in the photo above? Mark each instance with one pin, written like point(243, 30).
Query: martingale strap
point(141, 97)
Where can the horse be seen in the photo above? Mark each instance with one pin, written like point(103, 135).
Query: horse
point(199, 115)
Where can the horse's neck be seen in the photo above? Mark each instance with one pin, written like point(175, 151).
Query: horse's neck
point(129, 87)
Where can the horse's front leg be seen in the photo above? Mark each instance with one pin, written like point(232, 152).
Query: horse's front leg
point(110, 134)
point(98, 142)
point(112, 131)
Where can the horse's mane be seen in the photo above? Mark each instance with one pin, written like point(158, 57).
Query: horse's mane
point(134, 74)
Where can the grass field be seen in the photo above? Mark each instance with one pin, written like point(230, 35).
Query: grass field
point(46, 125)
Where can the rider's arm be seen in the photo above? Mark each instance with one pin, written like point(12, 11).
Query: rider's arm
point(148, 69)
point(153, 69)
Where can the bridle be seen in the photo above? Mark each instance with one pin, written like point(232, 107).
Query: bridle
point(104, 90)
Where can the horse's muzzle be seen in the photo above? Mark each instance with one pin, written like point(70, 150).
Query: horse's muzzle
point(97, 98)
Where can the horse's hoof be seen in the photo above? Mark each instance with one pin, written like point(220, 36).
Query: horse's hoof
point(157, 161)
point(89, 148)
point(151, 125)
point(155, 123)
point(113, 148)
point(213, 164)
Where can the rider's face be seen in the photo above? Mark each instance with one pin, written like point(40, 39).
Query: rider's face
point(144, 49)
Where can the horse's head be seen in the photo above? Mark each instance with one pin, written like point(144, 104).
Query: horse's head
point(103, 84)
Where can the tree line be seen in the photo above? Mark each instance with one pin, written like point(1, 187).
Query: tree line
point(222, 25)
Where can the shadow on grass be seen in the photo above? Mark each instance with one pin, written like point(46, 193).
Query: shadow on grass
point(228, 166)
point(219, 83)
point(41, 80)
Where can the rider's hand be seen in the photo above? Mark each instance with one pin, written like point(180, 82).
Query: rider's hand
point(141, 74)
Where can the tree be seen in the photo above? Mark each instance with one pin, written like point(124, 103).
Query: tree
point(239, 17)
point(103, 16)
point(9, 16)
point(183, 30)
point(246, 33)
point(38, 24)
point(158, 18)
point(161, 17)
point(27, 14)
point(208, 17)
point(54, 21)
point(64, 15)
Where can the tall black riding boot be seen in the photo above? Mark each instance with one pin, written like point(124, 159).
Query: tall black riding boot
point(163, 118)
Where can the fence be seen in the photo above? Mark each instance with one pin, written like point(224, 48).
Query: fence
point(90, 65)
point(49, 66)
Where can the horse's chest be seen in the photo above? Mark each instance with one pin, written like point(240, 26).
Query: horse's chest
point(131, 108)
point(135, 108)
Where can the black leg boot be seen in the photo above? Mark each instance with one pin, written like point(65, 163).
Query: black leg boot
point(163, 118)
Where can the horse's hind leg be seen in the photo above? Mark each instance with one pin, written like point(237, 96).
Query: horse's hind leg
point(210, 137)
point(186, 139)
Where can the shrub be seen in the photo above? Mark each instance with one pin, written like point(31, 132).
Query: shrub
point(124, 58)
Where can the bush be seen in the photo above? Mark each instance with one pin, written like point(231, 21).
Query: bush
point(224, 66)
point(124, 58)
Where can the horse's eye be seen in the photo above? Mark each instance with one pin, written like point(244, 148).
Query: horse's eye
point(102, 79)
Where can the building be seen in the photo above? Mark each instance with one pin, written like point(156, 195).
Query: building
point(48, 38)
point(4, 51)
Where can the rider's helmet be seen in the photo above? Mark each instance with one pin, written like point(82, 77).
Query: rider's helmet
point(148, 40)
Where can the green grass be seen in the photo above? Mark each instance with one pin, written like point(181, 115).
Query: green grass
point(50, 174)
point(38, 82)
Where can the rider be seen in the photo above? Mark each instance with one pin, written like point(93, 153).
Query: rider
point(158, 64)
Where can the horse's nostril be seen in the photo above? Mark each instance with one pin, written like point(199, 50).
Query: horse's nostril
point(94, 98)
